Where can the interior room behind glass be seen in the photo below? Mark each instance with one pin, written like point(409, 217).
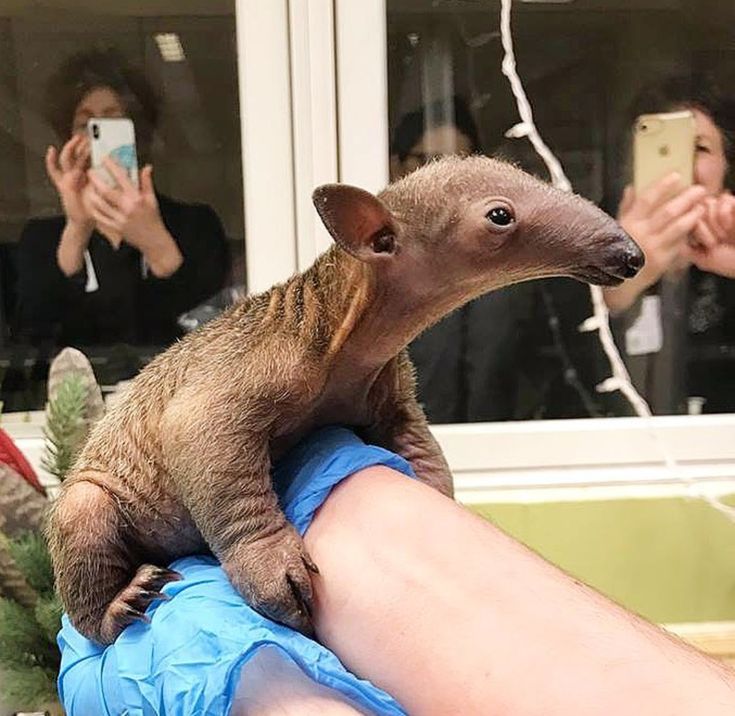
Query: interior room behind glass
point(518, 353)
point(186, 51)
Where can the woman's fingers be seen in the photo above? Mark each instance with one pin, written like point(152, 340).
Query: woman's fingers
point(71, 161)
point(712, 218)
point(648, 201)
point(626, 201)
point(103, 223)
point(66, 158)
point(52, 165)
point(110, 233)
point(102, 210)
point(717, 224)
point(726, 215)
point(677, 231)
point(675, 209)
point(146, 180)
point(81, 154)
point(119, 174)
point(111, 194)
point(704, 235)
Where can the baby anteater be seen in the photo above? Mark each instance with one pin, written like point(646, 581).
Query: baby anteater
point(181, 464)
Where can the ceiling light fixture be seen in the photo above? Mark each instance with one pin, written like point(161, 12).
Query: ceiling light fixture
point(170, 47)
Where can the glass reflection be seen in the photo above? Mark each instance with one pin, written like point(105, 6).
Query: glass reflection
point(518, 353)
point(117, 263)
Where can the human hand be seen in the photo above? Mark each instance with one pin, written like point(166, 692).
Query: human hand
point(718, 223)
point(124, 210)
point(718, 258)
point(660, 220)
point(713, 245)
point(66, 169)
point(131, 213)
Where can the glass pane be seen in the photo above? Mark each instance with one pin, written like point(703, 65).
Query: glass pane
point(590, 67)
point(117, 271)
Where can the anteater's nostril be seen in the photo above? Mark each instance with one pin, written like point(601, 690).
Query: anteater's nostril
point(633, 261)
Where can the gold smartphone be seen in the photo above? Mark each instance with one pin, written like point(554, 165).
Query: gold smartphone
point(663, 143)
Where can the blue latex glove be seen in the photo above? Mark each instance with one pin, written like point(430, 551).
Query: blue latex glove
point(188, 659)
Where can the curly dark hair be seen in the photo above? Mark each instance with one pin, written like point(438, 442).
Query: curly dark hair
point(101, 67)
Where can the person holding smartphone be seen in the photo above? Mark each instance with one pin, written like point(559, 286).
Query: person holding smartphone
point(123, 261)
point(683, 299)
point(498, 357)
point(678, 225)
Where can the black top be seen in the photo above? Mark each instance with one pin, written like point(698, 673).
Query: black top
point(697, 355)
point(516, 354)
point(130, 304)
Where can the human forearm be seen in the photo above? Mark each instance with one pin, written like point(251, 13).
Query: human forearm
point(272, 685)
point(73, 244)
point(450, 615)
point(660, 221)
point(621, 298)
point(160, 251)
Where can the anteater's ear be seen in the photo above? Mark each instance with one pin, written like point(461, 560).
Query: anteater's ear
point(358, 221)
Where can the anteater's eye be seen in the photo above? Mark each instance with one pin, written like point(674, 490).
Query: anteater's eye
point(500, 216)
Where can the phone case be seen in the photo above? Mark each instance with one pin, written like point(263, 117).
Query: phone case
point(113, 137)
point(663, 143)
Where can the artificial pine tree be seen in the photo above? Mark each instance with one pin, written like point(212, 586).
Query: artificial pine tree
point(30, 617)
point(66, 426)
point(30, 610)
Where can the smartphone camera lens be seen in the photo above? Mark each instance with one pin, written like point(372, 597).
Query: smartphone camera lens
point(96, 131)
point(644, 127)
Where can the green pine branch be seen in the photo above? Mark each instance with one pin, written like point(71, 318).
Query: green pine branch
point(48, 613)
point(23, 642)
point(13, 582)
point(29, 687)
point(30, 611)
point(66, 425)
point(29, 655)
point(30, 553)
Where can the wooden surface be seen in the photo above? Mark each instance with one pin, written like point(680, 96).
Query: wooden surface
point(714, 638)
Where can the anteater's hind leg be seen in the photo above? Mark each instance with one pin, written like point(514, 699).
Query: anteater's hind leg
point(102, 583)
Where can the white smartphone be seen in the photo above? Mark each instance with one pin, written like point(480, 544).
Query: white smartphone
point(663, 143)
point(113, 137)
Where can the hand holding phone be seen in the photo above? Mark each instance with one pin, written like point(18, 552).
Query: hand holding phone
point(122, 201)
point(660, 219)
point(66, 170)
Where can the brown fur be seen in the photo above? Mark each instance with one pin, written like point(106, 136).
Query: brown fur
point(181, 464)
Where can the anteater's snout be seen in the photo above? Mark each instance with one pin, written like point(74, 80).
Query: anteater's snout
point(631, 259)
point(625, 258)
point(617, 257)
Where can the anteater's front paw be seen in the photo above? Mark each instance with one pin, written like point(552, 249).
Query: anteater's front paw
point(131, 602)
point(274, 576)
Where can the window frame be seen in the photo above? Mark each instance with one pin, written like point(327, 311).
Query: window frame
point(308, 120)
point(267, 148)
point(532, 459)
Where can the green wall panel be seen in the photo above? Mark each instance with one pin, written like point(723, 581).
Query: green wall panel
point(670, 560)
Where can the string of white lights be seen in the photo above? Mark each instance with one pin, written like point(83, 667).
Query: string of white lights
point(600, 320)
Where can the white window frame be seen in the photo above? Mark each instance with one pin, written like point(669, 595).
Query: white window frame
point(318, 113)
point(263, 65)
point(535, 460)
